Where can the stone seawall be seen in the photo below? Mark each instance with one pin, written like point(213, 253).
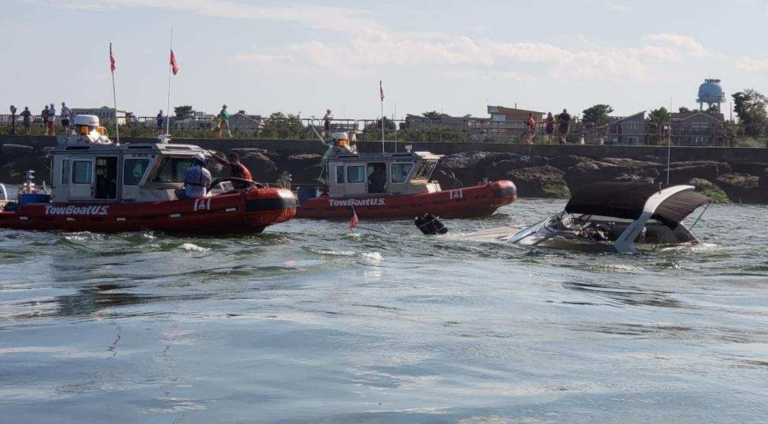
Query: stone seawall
point(738, 174)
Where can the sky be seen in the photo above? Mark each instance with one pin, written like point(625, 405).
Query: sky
point(455, 57)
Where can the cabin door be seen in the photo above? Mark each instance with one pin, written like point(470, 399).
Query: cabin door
point(106, 178)
point(82, 186)
point(400, 175)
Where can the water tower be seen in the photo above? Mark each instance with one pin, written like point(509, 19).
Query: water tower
point(711, 94)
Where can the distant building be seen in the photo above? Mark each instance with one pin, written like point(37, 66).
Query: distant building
point(443, 122)
point(198, 120)
point(698, 128)
point(241, 121)
point(106, 115)
point(511, 121)
point(629, 130)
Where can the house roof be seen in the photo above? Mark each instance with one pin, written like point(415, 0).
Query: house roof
point(504, 110)
point(687, 115)
point(619, 119)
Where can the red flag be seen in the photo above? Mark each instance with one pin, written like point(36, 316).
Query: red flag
point(381, 90)
point(111, 59)
point(354, 221)
point(174, 65)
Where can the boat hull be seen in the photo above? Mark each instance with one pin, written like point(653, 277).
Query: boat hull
point(237, 212)
point(468, 202)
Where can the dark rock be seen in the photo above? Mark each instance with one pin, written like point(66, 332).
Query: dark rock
point(540, 181)
point(709, 189)
point(565, 162)
point(498, 170)
point(682, 172)
point(262, 168)
point(743, 188)
point(752, 168)
point(447, 180)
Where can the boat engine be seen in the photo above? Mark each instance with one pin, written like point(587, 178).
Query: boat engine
point(430, 225)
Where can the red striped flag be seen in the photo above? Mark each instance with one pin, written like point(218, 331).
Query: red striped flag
point(174, 65)
point(354, 221)
point(381, 90)
point(111, 59)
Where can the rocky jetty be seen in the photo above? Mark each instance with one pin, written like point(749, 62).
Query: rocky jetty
point(538, 176)
point(535, 176)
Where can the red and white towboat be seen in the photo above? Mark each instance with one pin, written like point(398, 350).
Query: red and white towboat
point(403, 190)
point(99, 186)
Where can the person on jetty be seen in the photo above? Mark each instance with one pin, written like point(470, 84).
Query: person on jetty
point(13, 121)
point(327, 118)
point(160, 122)
point(223, 121)
point(530, 126)
point(26, 117)
point(197, 179)
point(50, 128)
point(549, 130)
point(236, 169)
point(66, 113)
point(564, 126)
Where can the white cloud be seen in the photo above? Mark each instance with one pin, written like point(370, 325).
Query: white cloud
point(752, 66)
point(682, 43)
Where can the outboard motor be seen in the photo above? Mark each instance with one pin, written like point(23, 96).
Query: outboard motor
point(430, 225)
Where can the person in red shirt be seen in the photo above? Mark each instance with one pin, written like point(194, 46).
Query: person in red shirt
point(236, 169)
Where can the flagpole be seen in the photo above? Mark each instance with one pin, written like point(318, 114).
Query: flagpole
point(381, 93)
point(114, 97)
point(168, 108)
point(393, 121)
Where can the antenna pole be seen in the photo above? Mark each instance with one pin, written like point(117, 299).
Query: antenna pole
point(669, 140)
point(168, 108)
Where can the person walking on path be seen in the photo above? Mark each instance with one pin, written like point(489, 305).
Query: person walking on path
point(160, 122)
point(44, 115)
point(66, 114)
point(223, 122)
point(564, 126)
point(327, 123)
point(549, 131)
point(26, 117)
point(13, 121)
point(530, 126)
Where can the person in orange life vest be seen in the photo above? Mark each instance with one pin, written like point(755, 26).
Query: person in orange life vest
point(236, 169)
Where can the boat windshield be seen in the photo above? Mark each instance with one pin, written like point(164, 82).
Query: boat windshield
point(172, 170)
point(425, 170)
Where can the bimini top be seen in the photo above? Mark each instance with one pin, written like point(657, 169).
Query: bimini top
point(628, 200)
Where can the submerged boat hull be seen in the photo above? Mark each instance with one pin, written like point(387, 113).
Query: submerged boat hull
point(468, 202)
point(237, 212)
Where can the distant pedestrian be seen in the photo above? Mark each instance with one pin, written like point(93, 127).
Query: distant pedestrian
point(223, 118)
point(160, 122)
point(563, 126)
point(26, 116)
point(327, 118)
point(50, 129)
point(13, 121)
point(550, 127)
point(44, 115)
point(530, 126)
point(66, 114)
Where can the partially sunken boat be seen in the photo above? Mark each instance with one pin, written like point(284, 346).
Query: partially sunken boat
point(100, 186)
point(394, 185)
point(619, 217)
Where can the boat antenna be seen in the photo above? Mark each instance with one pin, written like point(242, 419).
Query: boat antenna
point(381, 92)
point(114, 94)
point(168, 106)
point(669, 139)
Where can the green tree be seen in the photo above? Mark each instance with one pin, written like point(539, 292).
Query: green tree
point(659, 120)
point(432, 114)
point(683, 109)
point(183, 112)
point(282, 126)
point(596, 115)
point(749, 106)
point(713, 108)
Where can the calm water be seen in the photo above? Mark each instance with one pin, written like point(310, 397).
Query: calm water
point(307, 324)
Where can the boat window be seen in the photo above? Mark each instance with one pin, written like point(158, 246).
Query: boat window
point(340, 174)
point(356, 174)
point(425, 170)
point(82, 172)
point(133, 170)
point(400, 172)
point(172, 170)
point(65, 172)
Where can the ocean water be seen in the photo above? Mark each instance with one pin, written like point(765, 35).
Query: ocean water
point(307, 323)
